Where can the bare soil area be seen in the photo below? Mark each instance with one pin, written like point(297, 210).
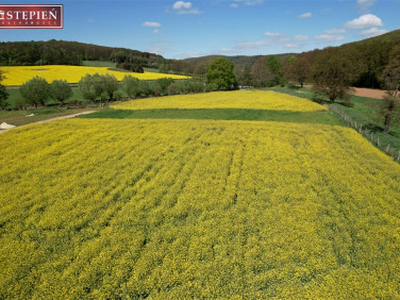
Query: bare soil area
point(371, 93)
point(363, 92)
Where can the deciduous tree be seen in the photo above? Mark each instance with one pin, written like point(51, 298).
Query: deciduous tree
point(110, 85)
point(274, 64)
point(36, 91)
point(221, 72)
point(390, 106)
point(331, 76)
point(60, 90)
point(3, 93)
point(298, 69)
point(130, 85)
point(246, 76)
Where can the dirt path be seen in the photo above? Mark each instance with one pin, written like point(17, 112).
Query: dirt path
point(363, 92)
point(53, 119)
point(371, 93)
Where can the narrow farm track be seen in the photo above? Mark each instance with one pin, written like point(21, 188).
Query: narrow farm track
point(52, 119)
point(364, 92)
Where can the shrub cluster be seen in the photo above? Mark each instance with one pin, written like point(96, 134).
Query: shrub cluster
point(38, 91)
point(164, 86)
point(96, 87)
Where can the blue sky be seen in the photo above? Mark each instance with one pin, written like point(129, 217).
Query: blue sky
point(180, 29)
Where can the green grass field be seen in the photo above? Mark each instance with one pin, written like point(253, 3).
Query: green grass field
point(219, 114)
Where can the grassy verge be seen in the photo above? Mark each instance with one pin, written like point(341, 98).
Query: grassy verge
point(219, 114)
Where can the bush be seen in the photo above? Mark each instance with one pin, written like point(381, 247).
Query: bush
point(97, 86)
point(164, 83)
point(60, 91)
point(131, 86)
point(36, 91)
point(87, 87)
point(3, 94)
point(110, 85)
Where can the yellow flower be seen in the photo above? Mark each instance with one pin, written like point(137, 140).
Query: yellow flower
point(18, 75)
point(265, 100)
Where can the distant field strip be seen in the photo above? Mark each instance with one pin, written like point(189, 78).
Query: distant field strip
point(18, 75)
point(178, 209)
point(253, 99)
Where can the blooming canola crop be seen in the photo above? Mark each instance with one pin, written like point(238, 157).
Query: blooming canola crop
point(18, 75)
point(251, 99)
point(177, 209)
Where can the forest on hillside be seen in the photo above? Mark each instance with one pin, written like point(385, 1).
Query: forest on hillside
point(72, 53)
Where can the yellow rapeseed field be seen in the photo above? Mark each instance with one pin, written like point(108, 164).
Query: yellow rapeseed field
point(18, 75)
point(181, 209)
point(251, 99)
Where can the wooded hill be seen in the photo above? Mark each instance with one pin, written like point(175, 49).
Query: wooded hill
point(368, 57)
point(240, 61)
point(71, 53)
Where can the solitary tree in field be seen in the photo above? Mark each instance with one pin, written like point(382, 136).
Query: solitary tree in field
point(3, 93)
point(60, 90)
point(331, 76)
point(36, 91)
point(221, 72)
point(390, 106)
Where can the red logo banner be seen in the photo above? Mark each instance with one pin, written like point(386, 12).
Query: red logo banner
point(40, 16)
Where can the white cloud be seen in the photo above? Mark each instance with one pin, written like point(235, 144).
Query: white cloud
point(182, 7)
point(330, 37)
point(365, 21)
point(374, 31)
point(301, 38)
point(306, 15)
point(151, 24)
point(335, 31)
point(237, 3)
point(273, 34)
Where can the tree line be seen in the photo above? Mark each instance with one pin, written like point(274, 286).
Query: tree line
point(69, 53)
